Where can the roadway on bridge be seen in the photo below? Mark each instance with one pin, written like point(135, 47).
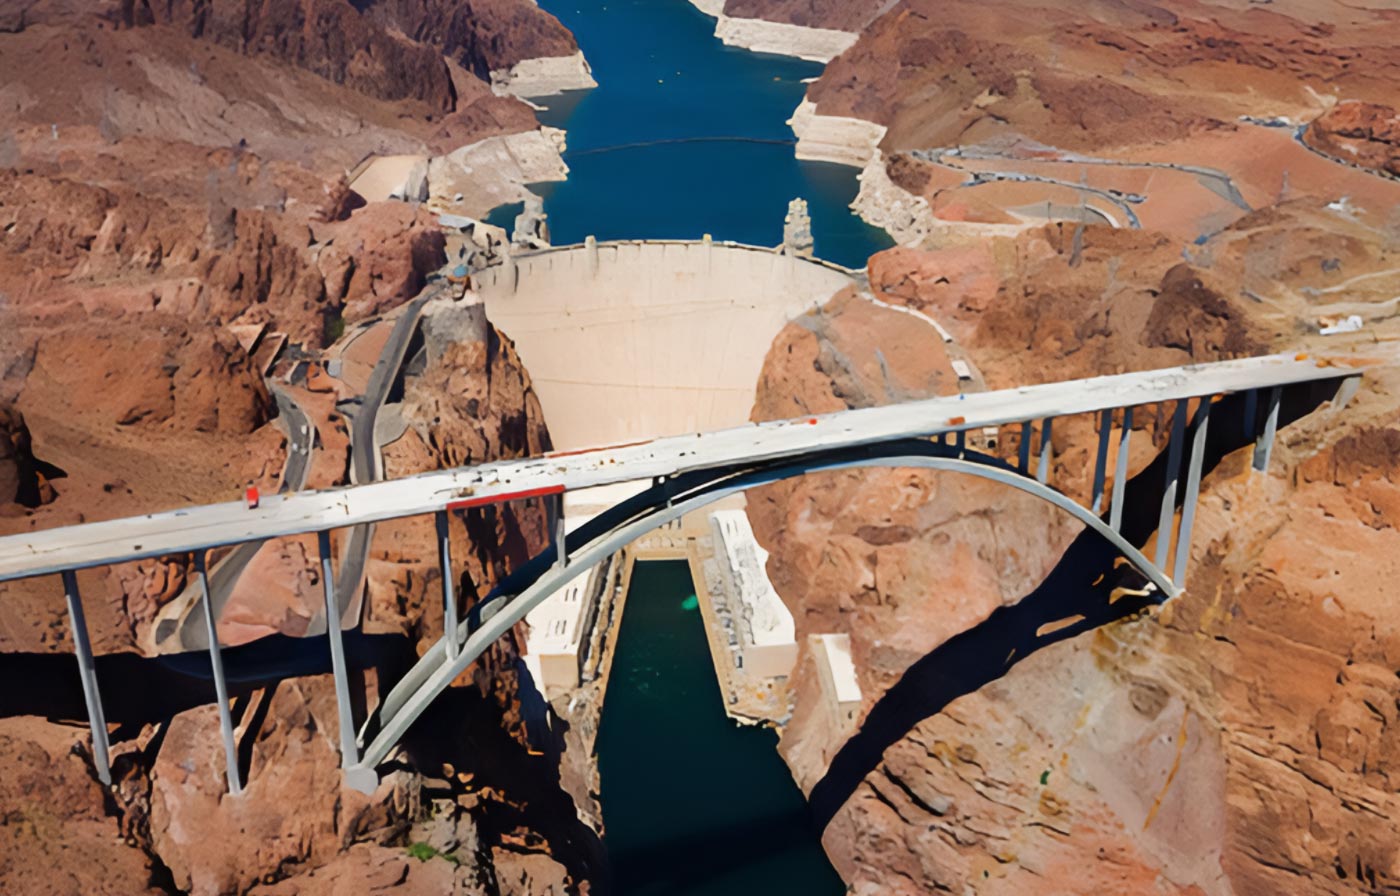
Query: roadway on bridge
point(114, 541)
point(183, 630)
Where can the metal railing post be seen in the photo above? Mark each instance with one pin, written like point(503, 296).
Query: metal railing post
point(1168, 514)
point(449, 597)
point(216, 663)
point(349, 753)
point(1193, 492)
point(87, 672)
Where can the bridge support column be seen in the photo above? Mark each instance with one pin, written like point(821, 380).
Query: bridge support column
point(561, 551)
point(449, 597)
point(960, 442)
point(1193, 492)
point(1168, 514)
point(1042, 472)
point(1264, 444)
point(1023, 455)
point(349, 753)
point(87, 673)
point(216, 664)
point(1120, 472)
point(1101, 458)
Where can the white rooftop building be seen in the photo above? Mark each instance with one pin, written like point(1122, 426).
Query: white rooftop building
point(840, 688)
point(767, 634)
point(556, 631)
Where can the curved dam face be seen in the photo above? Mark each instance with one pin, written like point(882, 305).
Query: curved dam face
point(632, 340)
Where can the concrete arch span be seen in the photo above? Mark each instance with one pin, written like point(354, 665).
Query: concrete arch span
point(664, 502)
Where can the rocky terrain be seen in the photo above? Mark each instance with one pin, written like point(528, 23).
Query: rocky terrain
point(1029, 726)
point(1028, 730)
point(1364, 134)
point(1179, 117)
point(1159, 751)
point(841, 16)
point(176, 234)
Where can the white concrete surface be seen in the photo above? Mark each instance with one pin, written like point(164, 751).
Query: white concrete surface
point(840, 687)
point(767, 645)
point(769, 620)
point(555, 634)
point(633, 340)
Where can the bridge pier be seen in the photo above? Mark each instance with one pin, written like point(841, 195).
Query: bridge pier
point(1264, 444)
point(561, 551)
point(87, 672)
point(349, 752)
point(1120, 472)
point(1193, 492)
point(1101, 458)
point(449, 597)
point(1023, 455)
point(216, 664)
point(1042, 472)
point(1168, 514)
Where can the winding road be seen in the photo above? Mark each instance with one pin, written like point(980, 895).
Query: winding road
point(187, 631)
point(1212, 179)
point(366, 460)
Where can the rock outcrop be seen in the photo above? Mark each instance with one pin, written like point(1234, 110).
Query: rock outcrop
point(21, 480)
point(177, 212)
point(1365, 134)
point(57, 837)
point(1027, 727)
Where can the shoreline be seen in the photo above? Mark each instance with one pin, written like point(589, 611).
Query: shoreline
point(778, 38)
point(543, 76)
point(840, 140)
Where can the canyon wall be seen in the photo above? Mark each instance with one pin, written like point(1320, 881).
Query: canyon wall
point(177, 237)
point(1027, 729)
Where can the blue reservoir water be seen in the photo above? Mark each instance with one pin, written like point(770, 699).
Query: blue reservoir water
point(684, 136)
point(693, 805)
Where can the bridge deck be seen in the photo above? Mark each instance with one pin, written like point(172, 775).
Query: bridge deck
point(114, 541)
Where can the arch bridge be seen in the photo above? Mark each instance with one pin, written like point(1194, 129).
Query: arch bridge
point(685, 473)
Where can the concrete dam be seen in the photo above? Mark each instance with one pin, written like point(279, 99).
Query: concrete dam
point(637, 339)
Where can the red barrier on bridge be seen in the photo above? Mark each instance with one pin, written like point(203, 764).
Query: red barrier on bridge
point(467, 503)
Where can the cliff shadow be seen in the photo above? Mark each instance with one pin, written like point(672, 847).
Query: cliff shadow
point(464, 736)
point(1076, 597)
point(138, 690)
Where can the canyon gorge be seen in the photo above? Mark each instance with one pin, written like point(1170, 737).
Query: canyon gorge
point(215, 217)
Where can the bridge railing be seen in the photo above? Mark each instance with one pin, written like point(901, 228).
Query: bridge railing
point(957, 422)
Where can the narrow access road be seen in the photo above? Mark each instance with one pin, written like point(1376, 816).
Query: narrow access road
point(187, 632)
point(366, 461)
